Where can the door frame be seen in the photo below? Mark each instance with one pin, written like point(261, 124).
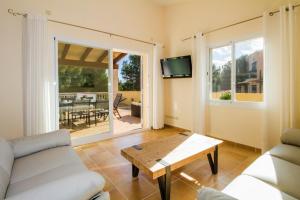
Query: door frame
point(96, 136)
point(142, 55)
point(147, 62)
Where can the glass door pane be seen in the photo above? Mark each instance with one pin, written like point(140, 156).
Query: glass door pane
point(83, 89)
point(127, 92)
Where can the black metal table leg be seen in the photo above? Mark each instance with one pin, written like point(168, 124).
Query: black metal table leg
point(135, 171)
point(95, 118)
point(213, 162)
point(89, 118)
point(68, 118)
point(164, 183)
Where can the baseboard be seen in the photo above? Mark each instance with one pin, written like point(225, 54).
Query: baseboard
point(255, 149)
point(172, 126)
point(244, 146)
point(177, 127)
point(235, 144)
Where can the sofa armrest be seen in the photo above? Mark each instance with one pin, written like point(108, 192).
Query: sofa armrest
point(32, 144)
point(291, 137)
point(206, 193)
point(82, 186)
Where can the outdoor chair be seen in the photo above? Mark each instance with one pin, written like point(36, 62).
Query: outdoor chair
point(117, 101)
point(81, 110)
point(101, 110)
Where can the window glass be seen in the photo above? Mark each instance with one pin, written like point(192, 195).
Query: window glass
point(249, 70)
point(221, 65)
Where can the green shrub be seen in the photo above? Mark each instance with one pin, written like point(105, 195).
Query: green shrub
point(226, 96)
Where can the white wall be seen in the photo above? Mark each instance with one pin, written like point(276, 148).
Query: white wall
point(134, 18)
point(297, 71)
point(240, 124)
point(144, 20)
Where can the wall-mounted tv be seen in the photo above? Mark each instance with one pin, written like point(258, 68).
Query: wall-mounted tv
point(178, 67)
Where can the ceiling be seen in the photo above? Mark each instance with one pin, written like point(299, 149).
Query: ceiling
point(170, 2)
point(77, 55)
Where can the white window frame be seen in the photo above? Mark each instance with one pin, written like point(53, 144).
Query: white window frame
point(233, 101)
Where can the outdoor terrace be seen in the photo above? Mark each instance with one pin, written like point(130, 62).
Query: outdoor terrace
point(90, 115)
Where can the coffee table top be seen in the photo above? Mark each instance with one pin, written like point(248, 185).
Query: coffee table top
point(176, 150)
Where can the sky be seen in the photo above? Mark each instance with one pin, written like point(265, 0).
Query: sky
point(223, 54)
point(220, 55)
point(120, 63)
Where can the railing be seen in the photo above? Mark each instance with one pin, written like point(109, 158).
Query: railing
point(129, 95)
point(73, 95)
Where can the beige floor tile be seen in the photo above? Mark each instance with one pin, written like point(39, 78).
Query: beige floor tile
point(104, 157)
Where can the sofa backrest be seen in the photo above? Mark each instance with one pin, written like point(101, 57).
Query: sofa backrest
point(31, 144)
point(6, 163)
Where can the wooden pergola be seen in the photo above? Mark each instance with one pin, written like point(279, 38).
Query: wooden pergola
point(77, 55)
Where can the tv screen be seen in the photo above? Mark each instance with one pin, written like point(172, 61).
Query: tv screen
point(179, 67)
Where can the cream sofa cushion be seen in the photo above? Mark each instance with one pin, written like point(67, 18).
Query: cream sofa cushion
point(286, 152)
point(32, 144)
point(291, 136)
point(6, 156)
point(46, 167)
point(282, 174)
point(80, 186)
point(274, 175)
point(6, 163)
point(34, 174)
point(42, 162)
point(249, 188)
point(4, 181)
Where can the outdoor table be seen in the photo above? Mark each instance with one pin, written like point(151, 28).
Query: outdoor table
point(69, 107)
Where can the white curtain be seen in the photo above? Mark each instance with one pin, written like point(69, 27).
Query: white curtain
point(35, 70)
point(158, 88)
point(199, 84)
point(279, 74)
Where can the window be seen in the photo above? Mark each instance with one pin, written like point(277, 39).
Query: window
point(237, 71)
point(254, 89)
point(221, 73)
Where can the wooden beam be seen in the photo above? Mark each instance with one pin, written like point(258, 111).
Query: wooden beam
point(65, 51)
point(82, 63)
point(116, 66)
point(119, 57)
point(102, 56)
point(86, 53)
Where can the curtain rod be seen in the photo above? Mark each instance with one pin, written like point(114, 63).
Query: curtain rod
point(237, 23)
point(12, 12)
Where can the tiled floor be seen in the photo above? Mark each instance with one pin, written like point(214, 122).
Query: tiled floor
point(104, 157)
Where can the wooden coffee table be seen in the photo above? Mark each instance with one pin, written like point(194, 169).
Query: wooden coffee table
point(160, 157)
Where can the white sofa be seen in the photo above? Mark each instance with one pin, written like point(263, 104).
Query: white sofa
point(275, 175)
point(45, 167)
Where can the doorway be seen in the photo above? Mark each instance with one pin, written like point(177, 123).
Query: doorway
point(83, 76)
point(99, 91)
point(127, 93)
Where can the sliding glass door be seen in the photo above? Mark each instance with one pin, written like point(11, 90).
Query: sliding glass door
point(83, 75)
point(127, 92)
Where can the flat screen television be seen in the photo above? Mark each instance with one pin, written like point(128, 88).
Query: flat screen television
point(177, 67)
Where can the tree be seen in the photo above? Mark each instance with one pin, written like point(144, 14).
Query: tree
point(226, 76)
point(82, 79)
point(242, 68)
point(131, 74)
point(216, 80)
